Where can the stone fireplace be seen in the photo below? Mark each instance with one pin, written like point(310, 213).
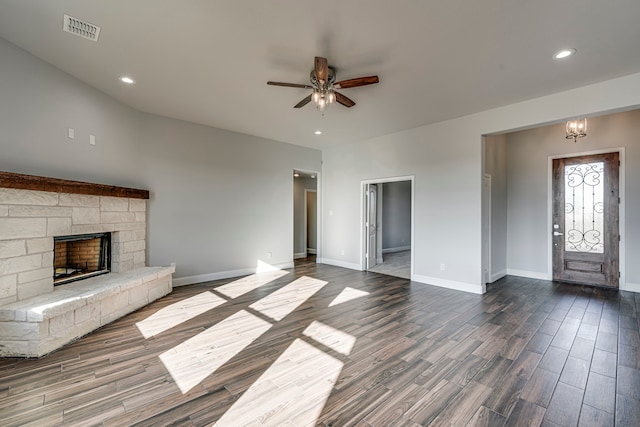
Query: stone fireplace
point(94, 229)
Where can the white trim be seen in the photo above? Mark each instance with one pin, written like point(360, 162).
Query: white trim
point(319, 195)
point(298, 255)
point(449, 284)
point(621, 214)
point(306, 195)
point(311, 251)
point(200, 278)
point(631, 287)
point(499, 275)
point(338, 263)
point(400, 249)
point(529, 274)
point(486, 229)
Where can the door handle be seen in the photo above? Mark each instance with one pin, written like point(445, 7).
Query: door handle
point(555, 233)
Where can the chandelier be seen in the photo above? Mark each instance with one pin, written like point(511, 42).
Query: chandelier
point(576, 129)
point(323, 91)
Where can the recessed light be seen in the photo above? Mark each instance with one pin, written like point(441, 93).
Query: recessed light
point(564, 53)
point(318, 132)
point(313, 177)
point(128, 80)
point(296, 175)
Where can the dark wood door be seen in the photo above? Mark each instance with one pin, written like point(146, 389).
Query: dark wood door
point(585, 219)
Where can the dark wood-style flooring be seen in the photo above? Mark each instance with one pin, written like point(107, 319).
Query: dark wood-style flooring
point(526, 353)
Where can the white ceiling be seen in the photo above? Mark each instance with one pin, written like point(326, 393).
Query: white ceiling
point(208, 61)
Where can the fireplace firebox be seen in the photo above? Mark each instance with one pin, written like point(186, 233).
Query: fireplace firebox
point(81, 256)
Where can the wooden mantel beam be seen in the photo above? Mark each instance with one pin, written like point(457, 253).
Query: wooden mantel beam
point(55, 185)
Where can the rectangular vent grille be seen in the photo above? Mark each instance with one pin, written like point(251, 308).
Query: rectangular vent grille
point(81, 28)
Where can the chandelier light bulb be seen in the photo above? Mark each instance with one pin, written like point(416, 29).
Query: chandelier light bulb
point(332, 97)
point(322, 104)
point(315, 97)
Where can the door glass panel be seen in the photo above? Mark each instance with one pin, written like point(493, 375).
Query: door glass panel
point(584, 207)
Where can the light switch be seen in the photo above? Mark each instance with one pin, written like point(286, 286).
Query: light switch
point(71, 133)
point(92, 139)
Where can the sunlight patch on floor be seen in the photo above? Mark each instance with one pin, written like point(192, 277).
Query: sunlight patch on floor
point(348, 294)
point(333, 338)
point(249, 283)
point(292, 392)
point(178, 312)
point(200, 356)
point(280, 303)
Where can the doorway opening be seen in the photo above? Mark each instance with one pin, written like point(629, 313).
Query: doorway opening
point(387, 226)
point(305, 214)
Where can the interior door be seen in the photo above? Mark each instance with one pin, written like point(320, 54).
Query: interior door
point(586, 219)
point(371, 224)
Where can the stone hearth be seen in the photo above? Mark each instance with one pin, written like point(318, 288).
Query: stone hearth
point(36, 319)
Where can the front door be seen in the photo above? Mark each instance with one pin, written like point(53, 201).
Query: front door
point(372, 220)
point(585, 219)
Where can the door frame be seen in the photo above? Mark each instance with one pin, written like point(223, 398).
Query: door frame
point(363, 216)
point(306, 194)
point(622, 214)
point(318, 191)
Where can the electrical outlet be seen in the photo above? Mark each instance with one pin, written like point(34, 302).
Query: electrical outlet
point(92, 139)
point(269, 254)
point(342, 252)
point(71, 133)
point(442, 267)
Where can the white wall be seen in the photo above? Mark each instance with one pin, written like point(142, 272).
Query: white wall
point(396, 215)
point(446, 159)
point(496, 166)
point(220, 201)
point(528, 154)
point(299, 230)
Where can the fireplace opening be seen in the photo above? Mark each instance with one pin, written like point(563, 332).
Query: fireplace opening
point(81, 256)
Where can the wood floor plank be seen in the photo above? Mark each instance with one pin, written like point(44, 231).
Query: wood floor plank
point(409, 354)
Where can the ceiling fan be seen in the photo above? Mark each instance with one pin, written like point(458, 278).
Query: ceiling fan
point(324, 85)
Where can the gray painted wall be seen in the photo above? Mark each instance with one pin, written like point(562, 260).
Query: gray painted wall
point(528, 178)
point(220, 201)
point(396, 215)
point(299, 231)
point(496, 166)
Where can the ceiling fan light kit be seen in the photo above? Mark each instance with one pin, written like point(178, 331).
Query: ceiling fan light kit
point(324, 85)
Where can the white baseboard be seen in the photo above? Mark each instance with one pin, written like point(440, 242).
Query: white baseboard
point(311, 251)
point(450, 284)
point(299, 255)
point(379, 260)
point(200, 278)
point(499, 275)
point(337, 263)
point(528, 274)
point(631, 287)
point(400, 249)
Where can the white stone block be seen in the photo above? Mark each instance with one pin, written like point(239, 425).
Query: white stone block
point(12, 248)
point(4, 210)
point(137, 205)
point(20, 264)
point(139, 295)
point(11, 196)
point(59, 325)
point(141, 216)
point(14, 348)
point(117, 217)
point(87, 312)
point(33, 275)
point(80, 200)
point(40, 245)
point(130, 235)
point(86, 216)
point(22, 228)
point(130, 226)
point(19, 330)
point(58, 226)
point(92, 228)
point(119, 257)
point(114, 204)
point(39, 287)
point(113, 304)
point(47, 259)
point(139, 258)
point(39, 211)
point(138, 245)
point(8, 286)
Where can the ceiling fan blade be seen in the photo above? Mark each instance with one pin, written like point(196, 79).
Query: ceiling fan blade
point(304, 102)
point(360, 81)
point(344, 100)
point(290, 85)
point(322, 69)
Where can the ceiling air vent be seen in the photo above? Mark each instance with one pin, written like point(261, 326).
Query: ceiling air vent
point(81, 28)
